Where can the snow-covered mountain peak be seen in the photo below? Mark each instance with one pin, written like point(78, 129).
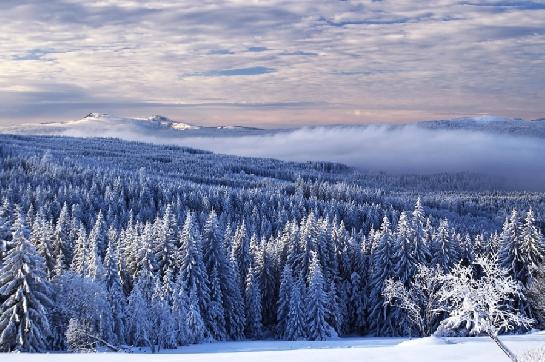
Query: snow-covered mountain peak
point(484, 118)
point(97, 124)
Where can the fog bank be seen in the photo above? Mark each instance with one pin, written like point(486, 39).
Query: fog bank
point(406, 149)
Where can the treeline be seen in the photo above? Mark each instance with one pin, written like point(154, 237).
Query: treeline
point(101, 247)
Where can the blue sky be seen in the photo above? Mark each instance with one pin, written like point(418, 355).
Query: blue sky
point(271, 62)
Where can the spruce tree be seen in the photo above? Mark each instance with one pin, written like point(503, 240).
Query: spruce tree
point(283, 305)
point(26, 295)
point(254, 323)
point(62, 242)
point(195, 323)
point(193, 271)
point(532, 247)
point(139, 319)
point(296, 322)
point(445, 253)
point(116, 296)
point(380, 315)
point(316, 303)
point(180, 305)
point(215, 259)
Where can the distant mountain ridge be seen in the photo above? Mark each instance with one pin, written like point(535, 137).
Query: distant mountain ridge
point(492, 124)
point(105, 125)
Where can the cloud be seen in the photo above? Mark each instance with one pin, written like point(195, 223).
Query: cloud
point(257, 49)
point(257, 70)
point(435, 58)
point(511, 161)
point(508, 5)
point(398, 150)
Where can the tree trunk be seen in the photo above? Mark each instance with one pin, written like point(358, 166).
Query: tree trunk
point(503, 347)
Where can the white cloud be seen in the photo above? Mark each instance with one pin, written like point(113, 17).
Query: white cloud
point(399, 60)
point(518, 161)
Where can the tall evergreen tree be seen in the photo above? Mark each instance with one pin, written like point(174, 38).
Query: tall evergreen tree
point(139, 319)
point(62, 243)
point(445, 253)
point(215, 259)
point(254, 323)
point(316, 303)
point(193, 271)
point(296, 319)
point(25, 295)
point(380, 315)
point(116, 296)
point(195, 323)
point(283, 305)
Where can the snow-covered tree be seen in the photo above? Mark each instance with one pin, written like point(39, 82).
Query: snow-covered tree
point(380, 315)
point(254, 323)
point(25, 295)
point(283, 305)
point(481, 305)
point(296, 318)
point(316, 303)
point(193, 273)
point(163, 331)
point(443, 249)
point(139, 321)
point(116, 296)
point(195, 323)
point(419, 300)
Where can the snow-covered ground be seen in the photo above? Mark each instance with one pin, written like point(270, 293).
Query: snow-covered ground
point(347, 349)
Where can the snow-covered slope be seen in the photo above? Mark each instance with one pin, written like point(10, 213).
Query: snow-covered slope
point(105, 125)
point(493, 124)
point(477, 349)
point(155, 127)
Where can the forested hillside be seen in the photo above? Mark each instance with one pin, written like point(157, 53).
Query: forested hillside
point(111, 243)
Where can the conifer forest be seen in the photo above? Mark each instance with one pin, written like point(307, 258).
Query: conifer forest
point(108, 244)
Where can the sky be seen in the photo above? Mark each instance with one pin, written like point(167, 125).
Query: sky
point(271, 63)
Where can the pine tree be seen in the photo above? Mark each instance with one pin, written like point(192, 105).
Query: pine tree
point(357, 301)
point(96, 243)
point(444, 251)
point(521, 253)
point(5, 227)
point(139, 319)
point(193, 271)
point(509, 255)
point(40, 237)
point(80, 261)
point(195, 323)
point(163, 333)
point(240, 252)
point(26, 297)
point(180, 305)
point(62, 243)
point(235, 318)
point(296, 318)
point(165, 246)
point(380, 315)
point(405, 256)
point(283, 305)
point(116, 296)
point(418, 222)
point(254, 323)
point(215, 259)
point(316, 303)
point(532, 247)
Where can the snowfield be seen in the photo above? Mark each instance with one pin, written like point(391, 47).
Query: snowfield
point(340, 350)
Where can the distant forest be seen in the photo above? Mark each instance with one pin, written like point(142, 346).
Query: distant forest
point(111, 244)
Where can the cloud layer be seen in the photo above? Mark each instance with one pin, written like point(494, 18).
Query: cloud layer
point(347, 61)
point(515, 161)
point(400, 150)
